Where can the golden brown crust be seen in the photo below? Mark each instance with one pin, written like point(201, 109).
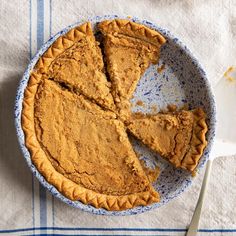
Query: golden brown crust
point(67, 187)
point(198, 141)
point(129, 28)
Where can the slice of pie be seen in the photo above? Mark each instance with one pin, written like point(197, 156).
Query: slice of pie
point(75, 59)
point(129, 48)
point(83, 150)
point(179, 137)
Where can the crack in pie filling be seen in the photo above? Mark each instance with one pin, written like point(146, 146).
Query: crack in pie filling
point(75, 120)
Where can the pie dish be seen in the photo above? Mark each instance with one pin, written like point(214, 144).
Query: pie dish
point(57, 82)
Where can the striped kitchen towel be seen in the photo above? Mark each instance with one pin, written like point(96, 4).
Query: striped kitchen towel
point(26, 208)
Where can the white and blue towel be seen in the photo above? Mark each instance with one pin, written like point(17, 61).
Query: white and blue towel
point(26, 208)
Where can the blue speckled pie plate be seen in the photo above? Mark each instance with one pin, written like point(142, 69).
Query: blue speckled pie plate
point(183, 81)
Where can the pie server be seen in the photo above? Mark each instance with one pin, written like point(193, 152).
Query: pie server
point(225, 143)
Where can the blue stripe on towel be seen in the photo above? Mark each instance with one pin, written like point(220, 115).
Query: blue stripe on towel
point(40, 41)
point(50, 18)
point(119, 229)
point(40, 23)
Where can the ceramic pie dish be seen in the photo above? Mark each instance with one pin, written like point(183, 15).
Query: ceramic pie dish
point(182, 81)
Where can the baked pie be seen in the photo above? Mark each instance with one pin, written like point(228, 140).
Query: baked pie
point(74, 127)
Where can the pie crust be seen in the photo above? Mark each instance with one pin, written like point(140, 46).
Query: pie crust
point(132, 29)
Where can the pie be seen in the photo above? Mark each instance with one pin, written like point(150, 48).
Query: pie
point(129, 48)
point(179, 137)
point(76, 114)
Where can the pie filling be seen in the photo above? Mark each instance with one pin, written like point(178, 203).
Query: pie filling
point(85, 143)
point(127, 59)
point(75, 121)
point(81, 66)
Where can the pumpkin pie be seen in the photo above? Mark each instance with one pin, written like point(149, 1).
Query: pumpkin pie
point(179, 137)
point(129, 48)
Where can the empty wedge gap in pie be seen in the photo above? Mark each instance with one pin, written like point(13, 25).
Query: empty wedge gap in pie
point(87, 154)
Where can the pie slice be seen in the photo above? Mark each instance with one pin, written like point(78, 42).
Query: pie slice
point(75, 59)
point(83, 150)
point(179, 137)
point(129, 48)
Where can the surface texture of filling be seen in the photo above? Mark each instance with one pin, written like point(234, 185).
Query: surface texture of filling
point(127, 59)
point(81, 67)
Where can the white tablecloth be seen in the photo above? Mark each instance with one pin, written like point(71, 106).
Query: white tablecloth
point(207, 27)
